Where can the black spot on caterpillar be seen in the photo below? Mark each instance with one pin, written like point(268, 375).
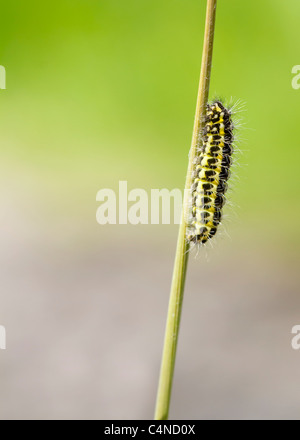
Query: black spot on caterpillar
point(211, 172)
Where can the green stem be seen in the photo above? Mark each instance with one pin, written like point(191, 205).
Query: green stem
point(181, 257)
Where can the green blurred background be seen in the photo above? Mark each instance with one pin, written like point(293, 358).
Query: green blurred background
point(102, 91)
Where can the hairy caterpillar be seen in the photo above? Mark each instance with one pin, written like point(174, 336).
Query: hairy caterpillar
point(211, 172)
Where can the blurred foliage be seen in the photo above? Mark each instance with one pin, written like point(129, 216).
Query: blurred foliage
point(101, 91)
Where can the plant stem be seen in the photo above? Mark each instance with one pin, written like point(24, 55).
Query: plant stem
point(181, 257)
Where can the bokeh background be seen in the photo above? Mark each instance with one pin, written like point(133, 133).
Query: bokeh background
point(104, 90)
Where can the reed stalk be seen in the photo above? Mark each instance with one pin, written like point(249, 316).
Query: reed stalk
point(181, 256)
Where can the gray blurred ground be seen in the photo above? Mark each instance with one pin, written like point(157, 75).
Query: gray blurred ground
point(85, 328)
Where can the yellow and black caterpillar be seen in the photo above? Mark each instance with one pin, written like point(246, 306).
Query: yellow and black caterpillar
point(211, 172)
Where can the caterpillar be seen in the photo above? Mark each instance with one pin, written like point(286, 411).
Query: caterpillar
point(210, 175)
